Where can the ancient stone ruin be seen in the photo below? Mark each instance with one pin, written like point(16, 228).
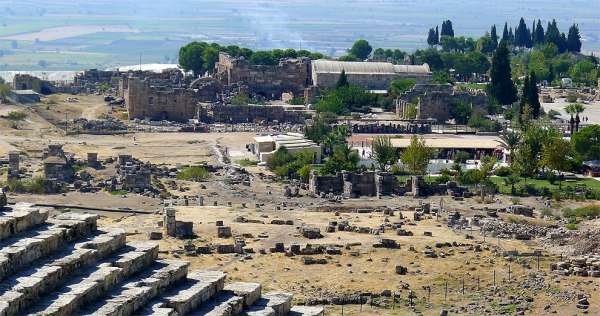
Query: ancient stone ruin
point(434, 101)
point(376, 183)
point(289, 75)
point(57, 165)
point(65, 265)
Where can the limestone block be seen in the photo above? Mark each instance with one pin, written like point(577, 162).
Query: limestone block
point(280, 303)
point(249, 291)
point(224, 232)
point(307, 311)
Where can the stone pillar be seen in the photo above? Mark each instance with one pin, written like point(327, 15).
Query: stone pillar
point(13, 164)
point(200, 200)
point(92, 159)
point(3, 199)
point(312, 182)
point(378, 184)
point(169, 222)
point(415, 185)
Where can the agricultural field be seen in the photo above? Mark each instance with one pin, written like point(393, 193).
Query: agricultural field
point(113, 33)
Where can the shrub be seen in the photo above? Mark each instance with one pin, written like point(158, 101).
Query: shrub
point(590, 211)
point(572, 97)
point(194, 173)
point(503, 171)
point(247, 162)
point(571, 226)
point(34, 186)
point(442, 179)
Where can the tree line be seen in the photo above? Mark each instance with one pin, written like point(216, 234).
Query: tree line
point(522, 36)
point(199, 57)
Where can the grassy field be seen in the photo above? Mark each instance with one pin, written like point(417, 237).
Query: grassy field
point(545, 184)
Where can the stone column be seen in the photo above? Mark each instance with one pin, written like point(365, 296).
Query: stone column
point(92, 159)
point(200, 200)
point(415, 185)
point(169, 221)
point(13, 164)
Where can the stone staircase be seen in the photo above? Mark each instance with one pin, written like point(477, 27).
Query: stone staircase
point(65, 265)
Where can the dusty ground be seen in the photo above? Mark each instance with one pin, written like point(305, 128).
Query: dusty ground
point(359, 269)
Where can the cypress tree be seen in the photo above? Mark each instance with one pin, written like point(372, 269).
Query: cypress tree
point(342, 80)
point(447, 29)
point(562, 47)
point(538, 34)
point(494, 37)
point(502, 87)
point(505, 35)
point(521, 34)
point(431, 40)
point(511, 36)
point(437, 35)
point(574, 39)
point(524, 97)
point(533, 97)
point(553, 34)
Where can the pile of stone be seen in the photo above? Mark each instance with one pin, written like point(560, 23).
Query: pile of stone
point(107, 126)
point(501, 229)
point(587, 265)
point(65, 265)
point(135, 176)
point(387, 243)
point(345, 226)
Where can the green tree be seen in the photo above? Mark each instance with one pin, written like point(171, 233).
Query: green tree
point(531, 96)
point(210, 56)
point(320, 128)
point(416, 156)
point(383, 151)
point(342, 80)
point(556, 153)
point(586, 143)
point(538, 34)
point(574, 39)
point(494, 38)
point(361, 49)
point(461, 112)
point(584, 72)
point(510, 141)
point(342, 159)
point(191, 57)
point(4, 91)
point(502, 87)
point(263, 58)
point(346, 99)
point(15, 118)
point(447, 29)
point(432, 39)
point(399, 86)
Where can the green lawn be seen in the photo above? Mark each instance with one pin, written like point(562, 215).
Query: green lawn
point(541, 184)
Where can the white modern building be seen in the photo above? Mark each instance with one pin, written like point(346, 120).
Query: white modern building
point(265, 146)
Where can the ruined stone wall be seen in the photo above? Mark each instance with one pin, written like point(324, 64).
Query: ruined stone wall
point(354, 185)
point(326, 184)
point(164, 103)
point(28, 82)
point(289, 75)
point(435, 101)
point(220, 113)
